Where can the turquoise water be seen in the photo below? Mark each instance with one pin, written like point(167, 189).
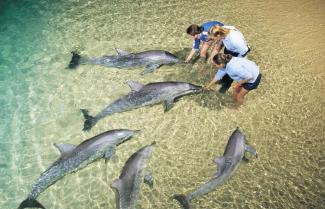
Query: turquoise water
point(40, 102)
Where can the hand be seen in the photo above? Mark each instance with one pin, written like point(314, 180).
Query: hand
point(187, 61)
point(236, 86)
point(206, 88)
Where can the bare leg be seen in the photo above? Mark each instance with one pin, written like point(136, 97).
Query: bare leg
point(235, 91)
point(240, 96)
point(204, 50)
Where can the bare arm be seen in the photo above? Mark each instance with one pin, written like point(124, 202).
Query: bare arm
point(216, 49)
point(190, 56)
point(211, 82)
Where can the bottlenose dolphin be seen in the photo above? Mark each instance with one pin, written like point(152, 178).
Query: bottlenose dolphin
point(143, 95)
point(73, 158)
point(133, 173)
point(227, 164)
point(152, 59)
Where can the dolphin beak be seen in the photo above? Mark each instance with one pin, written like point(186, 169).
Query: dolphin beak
point(198, 89)
point(136, 132)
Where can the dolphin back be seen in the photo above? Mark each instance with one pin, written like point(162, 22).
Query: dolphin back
point(30, 203)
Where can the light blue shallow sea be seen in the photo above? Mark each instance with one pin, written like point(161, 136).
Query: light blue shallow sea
point(283, 119)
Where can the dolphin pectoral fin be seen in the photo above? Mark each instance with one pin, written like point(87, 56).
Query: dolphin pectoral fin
point(250, 150)
point(168, 104)
point(109, 153)
point(148, 178)
point(134, 85)
point(220, 161)
point(121, 52)
point(150, 68)
point(65, 148)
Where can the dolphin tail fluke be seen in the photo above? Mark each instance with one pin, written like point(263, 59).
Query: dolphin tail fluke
point(90, 120)
point(30, 203)
point(74, 60)
point(182, 200)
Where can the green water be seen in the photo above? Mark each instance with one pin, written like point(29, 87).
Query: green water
point(40, 101)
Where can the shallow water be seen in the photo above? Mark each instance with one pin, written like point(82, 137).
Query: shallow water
point(283, 119)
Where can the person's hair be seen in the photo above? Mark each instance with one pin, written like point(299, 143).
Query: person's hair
point(221, 58)
point(216, 30)
point(193, 30)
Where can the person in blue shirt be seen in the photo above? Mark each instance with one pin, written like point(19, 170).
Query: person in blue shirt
point(198, 34)
point(245, 72)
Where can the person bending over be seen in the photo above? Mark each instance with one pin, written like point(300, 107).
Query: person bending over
point(198, 34)
point(245, 72)
point(233, 42)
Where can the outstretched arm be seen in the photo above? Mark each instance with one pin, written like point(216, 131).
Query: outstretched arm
point(190, 56)
point(216, 49)
point(210, 83)
point(195, 49)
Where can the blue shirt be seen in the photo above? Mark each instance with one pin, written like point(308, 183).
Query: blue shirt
point(238, 69)
point(204, 34)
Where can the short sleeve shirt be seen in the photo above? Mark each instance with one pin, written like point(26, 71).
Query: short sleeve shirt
point(239, 69)
point(204, 35)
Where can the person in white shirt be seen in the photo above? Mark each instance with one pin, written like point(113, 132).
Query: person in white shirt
point(230, 38)
point(245, 72)
point(233, 42)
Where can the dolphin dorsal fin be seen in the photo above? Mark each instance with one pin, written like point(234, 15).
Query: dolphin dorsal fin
point(121, 52)
point(116, 184)
point(134, 85)
point(65, 148)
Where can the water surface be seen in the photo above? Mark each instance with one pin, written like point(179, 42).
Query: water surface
point(283, 119)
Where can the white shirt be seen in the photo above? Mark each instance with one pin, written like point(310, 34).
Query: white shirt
point(238, 69)
point(235, 41)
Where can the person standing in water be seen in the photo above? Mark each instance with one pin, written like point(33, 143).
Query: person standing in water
point(233, 42)
point(198, 34)
point(245, 72)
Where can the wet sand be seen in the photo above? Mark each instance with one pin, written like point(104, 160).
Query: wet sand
point(283, 119)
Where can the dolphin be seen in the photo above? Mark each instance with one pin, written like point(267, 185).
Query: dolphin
point(73, 158)
point(152, 59)
point(143, 95)
point(227, 164)
point(133, 173)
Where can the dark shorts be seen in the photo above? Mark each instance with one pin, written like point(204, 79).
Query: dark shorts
point(251, 86)
point(235, 54)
